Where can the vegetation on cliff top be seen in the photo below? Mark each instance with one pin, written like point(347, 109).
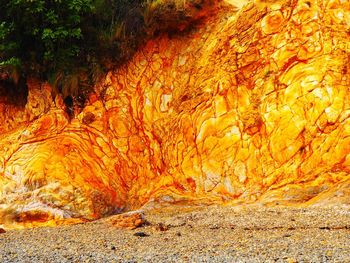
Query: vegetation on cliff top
point(72, 42)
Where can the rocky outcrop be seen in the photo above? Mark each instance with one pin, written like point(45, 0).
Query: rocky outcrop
point(252, 106)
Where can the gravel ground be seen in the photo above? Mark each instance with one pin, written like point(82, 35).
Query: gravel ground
point(193, 234)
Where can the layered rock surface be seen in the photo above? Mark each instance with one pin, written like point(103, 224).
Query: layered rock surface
point(251, 106)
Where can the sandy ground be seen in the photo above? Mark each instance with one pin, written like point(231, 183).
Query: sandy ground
point(193, 234)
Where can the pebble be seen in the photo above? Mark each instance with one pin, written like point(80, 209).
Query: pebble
point(262, 241)
point(161, 227)
point(141, 234)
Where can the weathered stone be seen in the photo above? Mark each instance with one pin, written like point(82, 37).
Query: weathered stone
point(127, 221)
point(252, 106)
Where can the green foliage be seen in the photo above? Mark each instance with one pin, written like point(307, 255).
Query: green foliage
point(43, 35)
point(72, 42)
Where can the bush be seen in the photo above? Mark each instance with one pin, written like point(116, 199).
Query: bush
point(42, 35)
point(72, 42)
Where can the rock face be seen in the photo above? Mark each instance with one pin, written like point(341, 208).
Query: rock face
point(253, 105)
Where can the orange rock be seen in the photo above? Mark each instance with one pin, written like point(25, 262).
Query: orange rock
point(127, 221)
point(251, 107)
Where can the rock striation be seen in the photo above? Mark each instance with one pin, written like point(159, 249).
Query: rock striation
point(252, 105)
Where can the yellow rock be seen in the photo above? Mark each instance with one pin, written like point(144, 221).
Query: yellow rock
point(252, 106)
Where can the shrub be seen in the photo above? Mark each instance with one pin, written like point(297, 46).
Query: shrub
point(72, 43)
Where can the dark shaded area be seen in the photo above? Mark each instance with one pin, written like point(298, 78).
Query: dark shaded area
point(69, 102)
point(13, 92)
point(73, 44)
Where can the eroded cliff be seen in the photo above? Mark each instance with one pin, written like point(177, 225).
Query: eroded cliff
point(250, 106)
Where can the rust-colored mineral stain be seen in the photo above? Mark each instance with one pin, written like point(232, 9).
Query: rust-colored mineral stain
point(253, 106)
point(32, 216)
